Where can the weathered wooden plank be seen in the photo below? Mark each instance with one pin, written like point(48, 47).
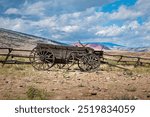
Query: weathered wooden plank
point(5, 48)
point(59, 47)
point(14, 62)
point(15, 55)
point(21, 50)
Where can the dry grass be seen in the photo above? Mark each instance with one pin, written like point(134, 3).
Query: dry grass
point(23, 82)
point(17, 70)
point(34, 93)
point(142, 70)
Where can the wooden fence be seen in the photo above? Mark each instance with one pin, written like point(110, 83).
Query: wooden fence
point(127, 60)
point(118, 59)
point(10, 55)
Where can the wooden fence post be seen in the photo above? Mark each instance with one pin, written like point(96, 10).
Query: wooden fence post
point(9, 51)
point(138, 62)
point(120, 59)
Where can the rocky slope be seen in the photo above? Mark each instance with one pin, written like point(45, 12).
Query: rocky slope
point(15, 39)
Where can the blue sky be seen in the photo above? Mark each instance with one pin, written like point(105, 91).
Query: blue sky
point(124, 22)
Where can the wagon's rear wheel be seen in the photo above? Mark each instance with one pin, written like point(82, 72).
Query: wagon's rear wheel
point(83, 63)
point(41, 59)
point(94, 61)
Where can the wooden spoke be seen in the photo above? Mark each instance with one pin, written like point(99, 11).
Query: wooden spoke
point(41, 59)
point(93, 61)
point(71, 60)
point(83, 63)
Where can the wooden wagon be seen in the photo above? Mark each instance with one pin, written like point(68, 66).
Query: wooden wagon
point(45, 56)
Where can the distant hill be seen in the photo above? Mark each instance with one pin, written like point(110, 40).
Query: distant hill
point(9, 38)
point(100, 45)
point(95, 46)
point(136, 49)
point(13, 39)
point(113, 46)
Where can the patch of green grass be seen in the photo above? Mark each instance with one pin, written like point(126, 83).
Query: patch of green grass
point(19, 67)
point(16, 70)
point(36, 94)
point(2, 57)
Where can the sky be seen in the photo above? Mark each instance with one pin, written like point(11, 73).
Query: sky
point(124, 22)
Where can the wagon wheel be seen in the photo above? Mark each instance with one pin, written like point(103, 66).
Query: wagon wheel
point(83, 63)
point(71, 60)
point(93, 61)
point(41, 59)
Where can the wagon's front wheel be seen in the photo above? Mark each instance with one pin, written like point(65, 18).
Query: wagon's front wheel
point(94, 61)
point(41, 59)
point(83, 63)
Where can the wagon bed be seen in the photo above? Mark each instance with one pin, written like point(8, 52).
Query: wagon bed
point(64, 47)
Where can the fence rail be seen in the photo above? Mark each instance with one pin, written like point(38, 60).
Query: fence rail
point(1, 48)
point(119, 59)
point(126, 56)
point(9, 54)
point(138, 61)
point(15, 55)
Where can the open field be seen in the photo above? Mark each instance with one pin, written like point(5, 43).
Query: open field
point(107, 82)
point(23, 82)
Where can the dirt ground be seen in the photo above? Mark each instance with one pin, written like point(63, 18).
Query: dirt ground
point(23, 82)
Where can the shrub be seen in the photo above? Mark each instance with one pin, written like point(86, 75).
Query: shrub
point(34, 93)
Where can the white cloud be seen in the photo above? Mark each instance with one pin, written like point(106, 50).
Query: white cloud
point(110, 31)
point(69, 29)
point(12, 11)
point(133, 25)
point(47, 22)
point(125, 13)
point(15, 24)
point(143, 6)
point(55, 7)
point(84, 25)
point(37, 8)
